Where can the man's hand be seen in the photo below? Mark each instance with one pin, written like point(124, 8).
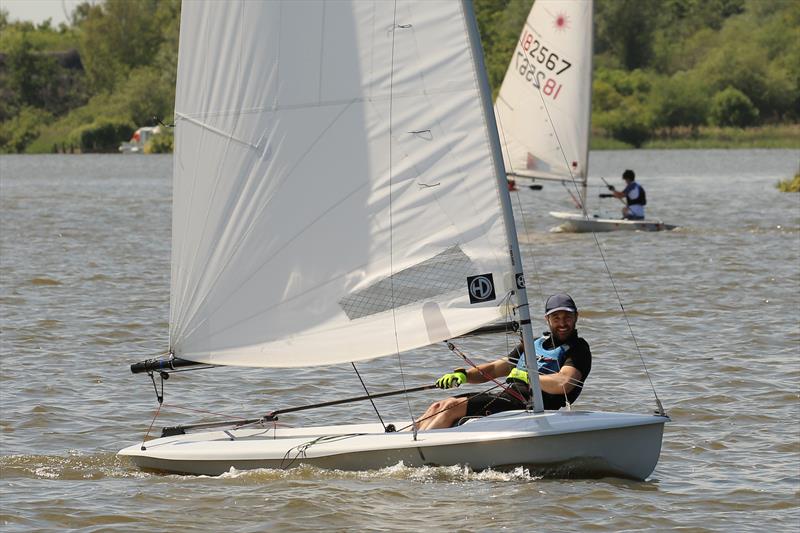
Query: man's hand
point(454, 379)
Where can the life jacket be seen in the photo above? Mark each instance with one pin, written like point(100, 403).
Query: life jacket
point(547, 361)
point(641, 199)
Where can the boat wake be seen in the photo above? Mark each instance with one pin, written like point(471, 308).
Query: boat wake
point(425, 474)
point(73, 466)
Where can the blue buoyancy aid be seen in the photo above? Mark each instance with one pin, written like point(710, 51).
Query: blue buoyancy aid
point(548, 361)
point(641, 198)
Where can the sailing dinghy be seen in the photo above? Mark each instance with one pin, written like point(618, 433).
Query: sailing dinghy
point(544, 109)
point(408, 239)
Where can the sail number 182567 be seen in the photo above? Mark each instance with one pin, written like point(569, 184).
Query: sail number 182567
point(536, 63)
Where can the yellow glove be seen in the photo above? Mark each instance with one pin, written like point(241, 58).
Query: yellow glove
point(454, 379)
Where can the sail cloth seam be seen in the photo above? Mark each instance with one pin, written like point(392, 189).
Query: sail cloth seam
point(314, 105)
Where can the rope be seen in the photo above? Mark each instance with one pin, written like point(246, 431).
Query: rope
point(503, 386)
point(147, 433)
point(370, 397)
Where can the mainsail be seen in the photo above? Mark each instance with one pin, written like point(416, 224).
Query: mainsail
point(334, 196)
point(544, 105)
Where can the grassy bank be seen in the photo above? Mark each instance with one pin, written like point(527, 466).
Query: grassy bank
point(777, 136)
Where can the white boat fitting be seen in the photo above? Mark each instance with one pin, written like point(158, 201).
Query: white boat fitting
point(553, 443)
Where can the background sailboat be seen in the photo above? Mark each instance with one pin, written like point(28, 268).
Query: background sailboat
point(384, 112)
point(544, 108)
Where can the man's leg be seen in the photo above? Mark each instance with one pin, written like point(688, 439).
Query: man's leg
point(443, 414)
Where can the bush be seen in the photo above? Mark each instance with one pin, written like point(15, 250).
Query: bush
point(161, 143)
point(105, 135)
point(16, 134)
point(680, 101)
point(790, 186)
point(731, 107)
point(630, 123)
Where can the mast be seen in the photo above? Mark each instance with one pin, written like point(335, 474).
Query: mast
point(505, 200)
point(585, 183)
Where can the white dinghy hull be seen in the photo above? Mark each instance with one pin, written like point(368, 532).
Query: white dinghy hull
point(562, 444)
point(578, 223)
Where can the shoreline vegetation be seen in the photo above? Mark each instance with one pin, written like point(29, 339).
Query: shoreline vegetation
point(677, 74)
point(792, 185)
point(779, 136)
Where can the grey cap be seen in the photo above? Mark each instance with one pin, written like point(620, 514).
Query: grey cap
point(560, 302)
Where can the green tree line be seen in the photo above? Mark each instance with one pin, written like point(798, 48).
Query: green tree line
point(663, 68)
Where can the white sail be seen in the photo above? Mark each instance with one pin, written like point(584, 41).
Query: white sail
point(333, 183)
point(544, 104)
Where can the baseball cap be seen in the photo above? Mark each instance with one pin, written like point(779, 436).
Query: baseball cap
point(560, 302)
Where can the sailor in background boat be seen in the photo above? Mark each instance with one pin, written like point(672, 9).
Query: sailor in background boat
point(634, 196)
point(564, 362)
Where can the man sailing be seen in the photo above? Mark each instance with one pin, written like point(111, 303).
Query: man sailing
point(563, 359)
point(634, 196)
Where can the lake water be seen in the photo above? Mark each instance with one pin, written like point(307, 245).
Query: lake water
point(714, 307)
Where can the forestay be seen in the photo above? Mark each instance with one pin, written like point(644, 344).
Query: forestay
point(544, 105)
point(333, 183)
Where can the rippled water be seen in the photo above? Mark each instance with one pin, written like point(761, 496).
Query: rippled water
point(714, 306)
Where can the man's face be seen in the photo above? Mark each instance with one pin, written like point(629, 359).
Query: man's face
point(562, 324)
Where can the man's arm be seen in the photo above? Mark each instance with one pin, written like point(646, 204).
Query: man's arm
point(495, 369)
point(562, 382)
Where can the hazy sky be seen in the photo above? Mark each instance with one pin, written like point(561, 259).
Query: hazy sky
point(39, 10)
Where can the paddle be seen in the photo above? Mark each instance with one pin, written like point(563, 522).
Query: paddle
point(273, 415)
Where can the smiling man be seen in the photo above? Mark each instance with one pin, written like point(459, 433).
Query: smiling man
point(564, 361)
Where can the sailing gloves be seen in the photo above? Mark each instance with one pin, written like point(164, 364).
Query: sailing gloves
point(454, 379)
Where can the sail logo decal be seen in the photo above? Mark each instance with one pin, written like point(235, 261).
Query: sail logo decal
point(481, 288)
point(520, 278)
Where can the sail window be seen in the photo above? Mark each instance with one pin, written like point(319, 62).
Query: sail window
point(442, 273)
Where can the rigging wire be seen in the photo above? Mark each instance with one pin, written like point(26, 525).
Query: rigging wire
point(395, 26)
point(370, 397)
point(594, 235)
point(603, 257)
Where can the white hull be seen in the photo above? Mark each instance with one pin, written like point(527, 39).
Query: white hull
point(577, 223)
point(561, 444)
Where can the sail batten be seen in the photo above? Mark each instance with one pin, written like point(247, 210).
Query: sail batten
point(319, 123)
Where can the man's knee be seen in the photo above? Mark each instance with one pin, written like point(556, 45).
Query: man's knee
point(444, 404)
